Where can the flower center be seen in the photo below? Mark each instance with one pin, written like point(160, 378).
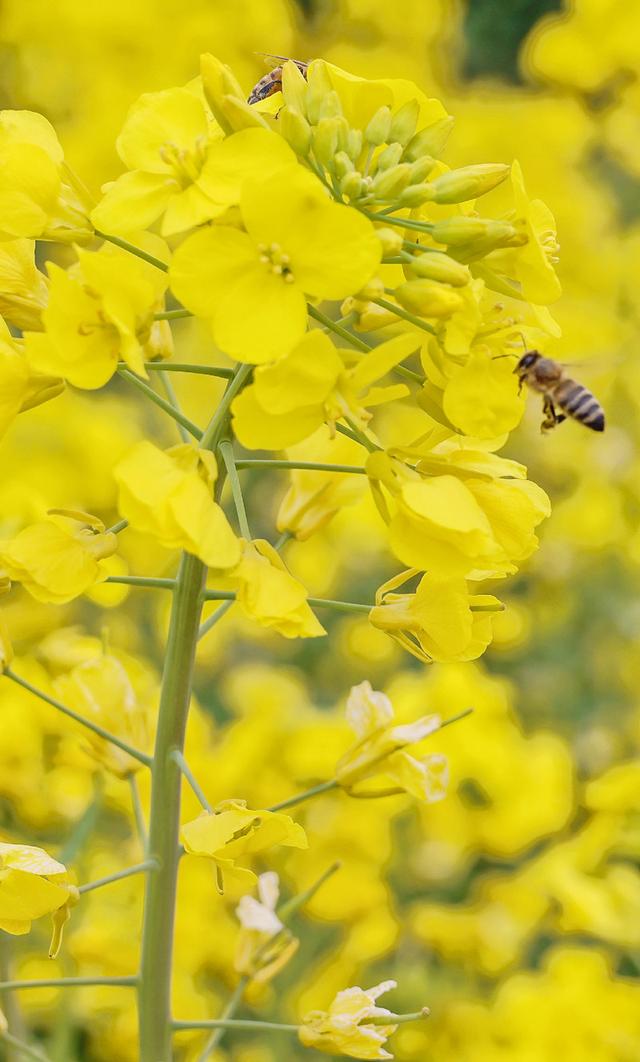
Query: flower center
point(276, 260)
point(184, 163)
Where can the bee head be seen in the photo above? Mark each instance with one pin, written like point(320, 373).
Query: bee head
point(527, 360)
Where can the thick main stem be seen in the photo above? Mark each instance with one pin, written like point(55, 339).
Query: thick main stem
point(164, 822)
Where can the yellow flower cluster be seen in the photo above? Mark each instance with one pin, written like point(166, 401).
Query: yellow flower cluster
point(376, 298)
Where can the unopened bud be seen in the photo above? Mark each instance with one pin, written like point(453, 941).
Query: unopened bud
point(295, 130)
point(427, 299)
point(353, 146)
point(391, 240)
point(389, 157)
point(319, 87)
point(429, 141)
point(218, 82)
point(368, 316)
point(468, 182)
point(378, 128)
point(325, 141)
point(342, 164)
point(434, 265)
point(294, 87)
point(353, 185)
point(404, 122)
point(421, 168)
point(389, 183)
point(458, 231)
point(240, 115)
point(374, 289)
point(415, 195)
point(330, 106)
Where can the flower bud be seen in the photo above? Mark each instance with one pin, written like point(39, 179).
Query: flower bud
point(457, 231)
point(330, 106)
point(404, 121)
point(468, 182)
point(429, 141)
point(421, 168)
point(294, 87)
point(218, 82)
point(374, 289)
point(352, 185)
point(434, 265)
point(378, 128)
point(391, 240)
point(415, 195)
point(389, 183)
point(353, 146)
point(427, 299)
point(325, 141)
point(295, 130)
point(369, 317)
point(319, 87)
point(389, 157)
point(342, 164)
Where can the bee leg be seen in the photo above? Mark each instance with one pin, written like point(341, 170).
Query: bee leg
point(551, 418)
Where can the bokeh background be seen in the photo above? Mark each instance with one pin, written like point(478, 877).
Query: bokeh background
point(513, 907)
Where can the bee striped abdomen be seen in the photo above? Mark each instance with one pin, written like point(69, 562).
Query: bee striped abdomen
point(578, 402)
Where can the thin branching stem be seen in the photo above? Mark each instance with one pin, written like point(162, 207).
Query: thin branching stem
point(128, 872)
point(158, 400)
point(178, 756)
point(131, 247)
point(226, 452)
point(88, 723)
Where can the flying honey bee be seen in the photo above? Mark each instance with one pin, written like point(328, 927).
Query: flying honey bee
point(272, 82)
point(550, 380)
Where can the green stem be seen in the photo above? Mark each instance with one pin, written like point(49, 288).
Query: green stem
point(315, 602)
point(362, 437)
point(228, 1012)
point(116, 528)
point(23, 1048)
point(403, 223)
point(138, 814)
point(69, 982)
point(214, 618)
point(172, 315)
point(406, 316)
point(199, 370)
point(143, 582)
point(219, 418)
point(311, 466)
point(226, 452)
point(131, 247)
point(288, 909)
point(308, 794)
point(342, 428)
point(337, 329)
point(398, 1019)
point(154, 999)
point(164, 822)
point(235, 1023)
point(191, 779)
point(158, 400)
point(95, 727)
point(139, 868)
point(172, 398)
point(456, 718)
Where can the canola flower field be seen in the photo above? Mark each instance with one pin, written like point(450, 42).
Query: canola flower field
point(318, 696)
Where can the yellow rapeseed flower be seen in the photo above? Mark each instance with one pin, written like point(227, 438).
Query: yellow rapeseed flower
point(21, 388)
point(101, 690)
point(33, 884)
point(100, 311)
point(24, 290)
point(380, 749)
point(439, 621)
point(233, 830)
point(312, 385)
point(168, 495)
point(346, 1028)
point(179, 166)
point(270, 595)
point(253, 285)
point(59, 558)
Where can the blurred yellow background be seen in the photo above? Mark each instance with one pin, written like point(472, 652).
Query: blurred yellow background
point(513, 907)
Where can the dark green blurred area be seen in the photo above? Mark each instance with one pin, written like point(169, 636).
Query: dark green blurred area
point(493, 31)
